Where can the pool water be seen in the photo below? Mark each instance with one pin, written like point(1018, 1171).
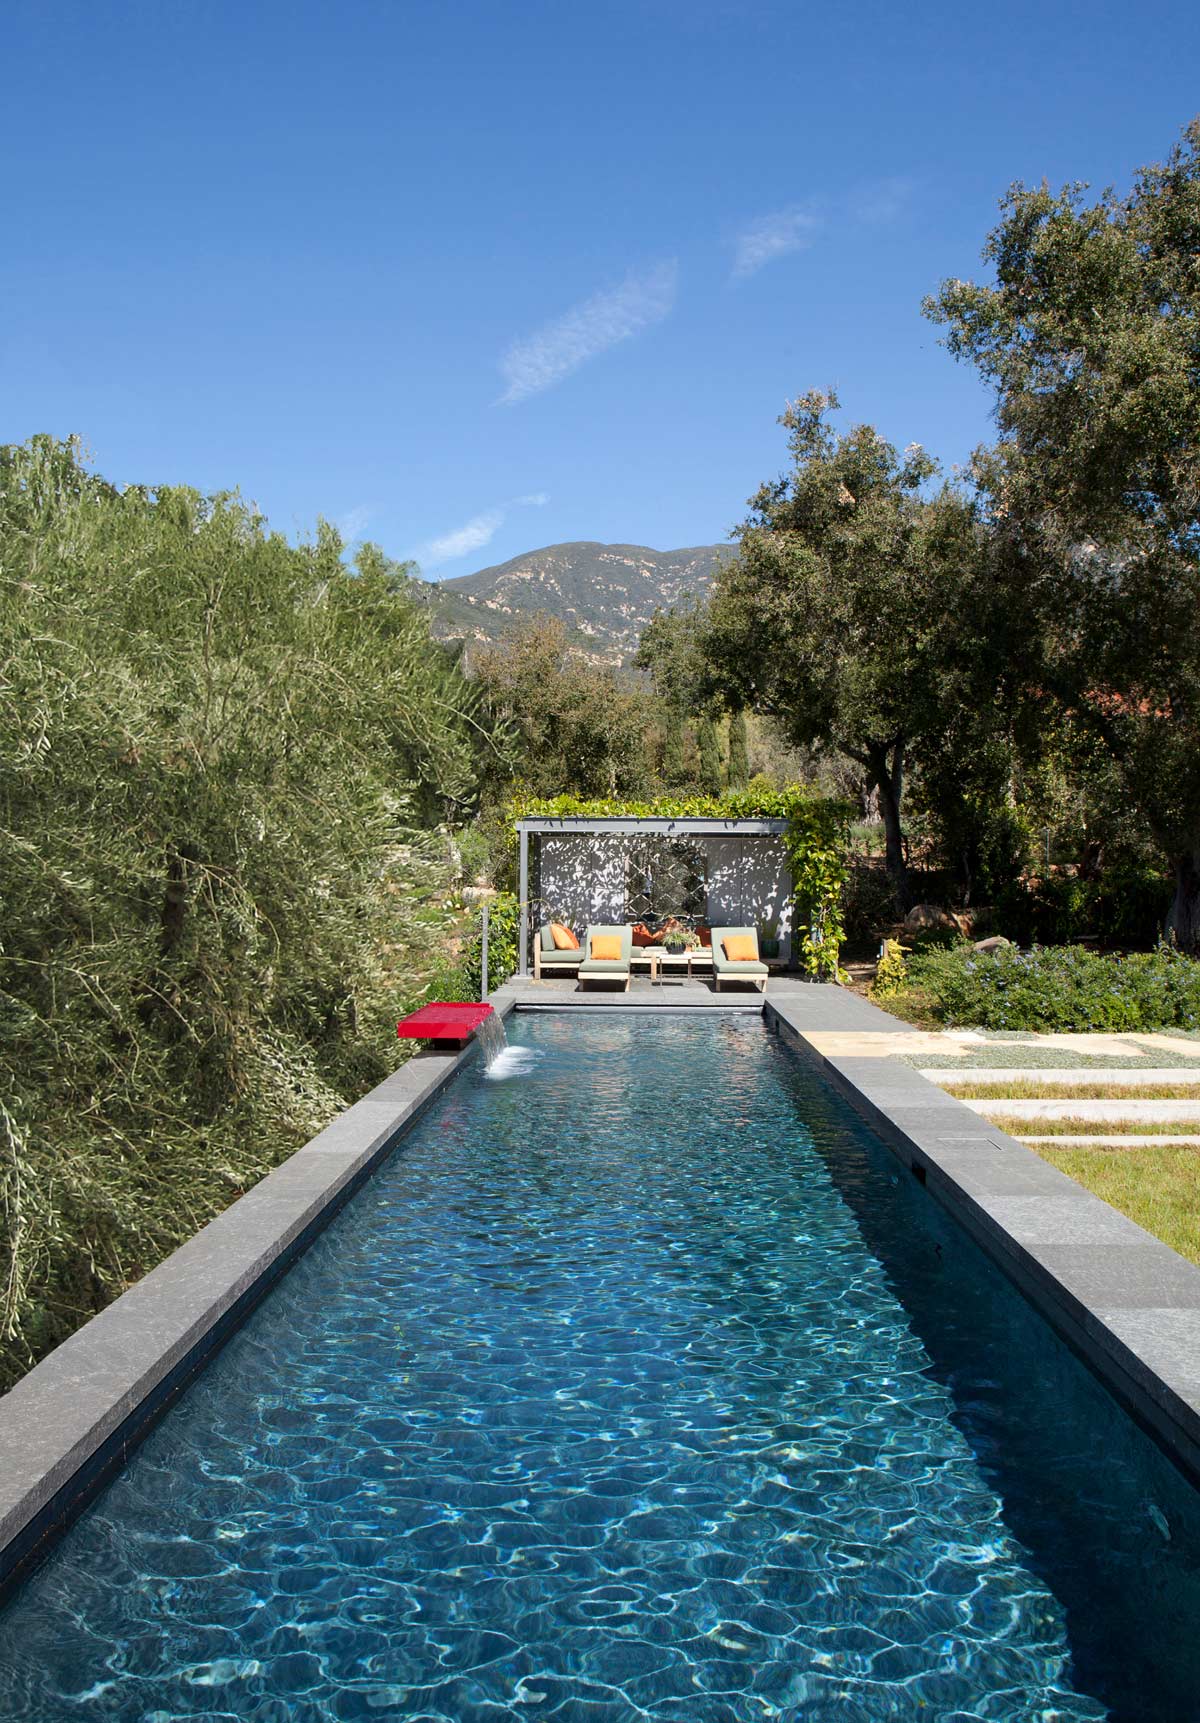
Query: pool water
point(645, 1384)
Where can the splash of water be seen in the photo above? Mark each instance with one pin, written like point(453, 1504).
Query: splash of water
point(500, 1060)
point(512, 1062)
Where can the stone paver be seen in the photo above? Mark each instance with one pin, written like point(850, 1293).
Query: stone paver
point(1091, 1041)
point(874, 1044)
point(1188, 1045)
point(1054, 1076)
point(1142, 1112)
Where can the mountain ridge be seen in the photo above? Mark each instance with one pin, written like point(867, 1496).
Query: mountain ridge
point(604, 593)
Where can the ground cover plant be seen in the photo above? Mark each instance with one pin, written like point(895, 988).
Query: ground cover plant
point(1052, 1127)
point(1066, 988)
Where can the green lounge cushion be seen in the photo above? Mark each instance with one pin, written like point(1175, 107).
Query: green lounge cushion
point(723, 965)
point(599, 966)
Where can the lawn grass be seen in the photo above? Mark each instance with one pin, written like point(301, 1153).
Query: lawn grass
point(1098, 1127)
point(1158, 1187)
point(1029, 1089)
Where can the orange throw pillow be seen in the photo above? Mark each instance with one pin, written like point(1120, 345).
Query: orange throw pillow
point(564, 939)
point(606, 947)
point(741, 948)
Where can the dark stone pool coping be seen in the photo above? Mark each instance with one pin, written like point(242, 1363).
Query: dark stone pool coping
point(70, 1424)
point(1128, 1304)
point(1123, 1300)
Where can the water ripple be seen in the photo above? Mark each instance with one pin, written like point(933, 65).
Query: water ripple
point(639, 1387)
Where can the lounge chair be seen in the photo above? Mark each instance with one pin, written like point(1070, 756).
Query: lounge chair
point(732, 968)
point(547, 960)
point(607, 968)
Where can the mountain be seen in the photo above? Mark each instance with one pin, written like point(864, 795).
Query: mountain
point(605, 593)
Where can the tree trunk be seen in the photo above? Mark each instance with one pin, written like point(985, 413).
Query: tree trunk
point(889, 780)
point(174, 904)
point(1183, 920)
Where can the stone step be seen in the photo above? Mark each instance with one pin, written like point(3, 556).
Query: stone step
point(1099, 1111)
point(1055, 1077)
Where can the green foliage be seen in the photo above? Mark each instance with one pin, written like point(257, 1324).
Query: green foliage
point(673, 766)
point(1058, 988)
point(504, 933)
point(671, 647)
point(965, 796)
point(850, 614)
point(459, 977)
point(761, 801)
point(1125, 906)
point(816, 839)
point(473, 851)
point(739, 762)
point(710, 756)
point(938, 939)
point(220, 753)
point(891, 975)
point(573, 722)
point(868, 903)
point(1088, 335)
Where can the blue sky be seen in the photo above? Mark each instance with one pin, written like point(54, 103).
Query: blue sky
point(468, 278)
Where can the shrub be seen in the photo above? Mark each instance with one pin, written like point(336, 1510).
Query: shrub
point(1059, 988)
point(504, 935)
point(892, 974)
point(461, 977)
point(868, 902)
point(1127, 904)
point(222, 754)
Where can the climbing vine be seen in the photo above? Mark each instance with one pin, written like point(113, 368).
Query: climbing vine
point(816, 840)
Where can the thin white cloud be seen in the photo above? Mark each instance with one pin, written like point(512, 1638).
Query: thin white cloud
point(480, 530)
point(883, 200)
point(772, 236)
point(352, 525)
point(542, 359)
point(472, 535)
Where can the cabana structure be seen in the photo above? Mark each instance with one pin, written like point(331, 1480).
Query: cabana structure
point(628, 869)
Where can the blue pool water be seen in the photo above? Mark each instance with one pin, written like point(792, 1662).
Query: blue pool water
point(643, 1385)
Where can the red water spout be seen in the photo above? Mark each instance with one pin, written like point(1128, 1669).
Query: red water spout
point(443, 1024)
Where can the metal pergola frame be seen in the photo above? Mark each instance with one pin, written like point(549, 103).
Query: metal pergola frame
point(626, 825)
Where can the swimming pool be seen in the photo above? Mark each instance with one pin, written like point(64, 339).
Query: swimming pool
point(645, 1384)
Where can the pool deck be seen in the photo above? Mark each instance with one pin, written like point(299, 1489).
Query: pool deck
point(1122, 1299)
point(814, 1005)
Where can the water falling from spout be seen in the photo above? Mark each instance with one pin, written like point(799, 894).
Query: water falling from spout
point(491, 1037)
point(500, 1060)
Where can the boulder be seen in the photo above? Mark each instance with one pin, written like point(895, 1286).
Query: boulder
point(928, 918)
point(996, 943)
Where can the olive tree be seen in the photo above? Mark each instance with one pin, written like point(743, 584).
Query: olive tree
point(222, 757)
